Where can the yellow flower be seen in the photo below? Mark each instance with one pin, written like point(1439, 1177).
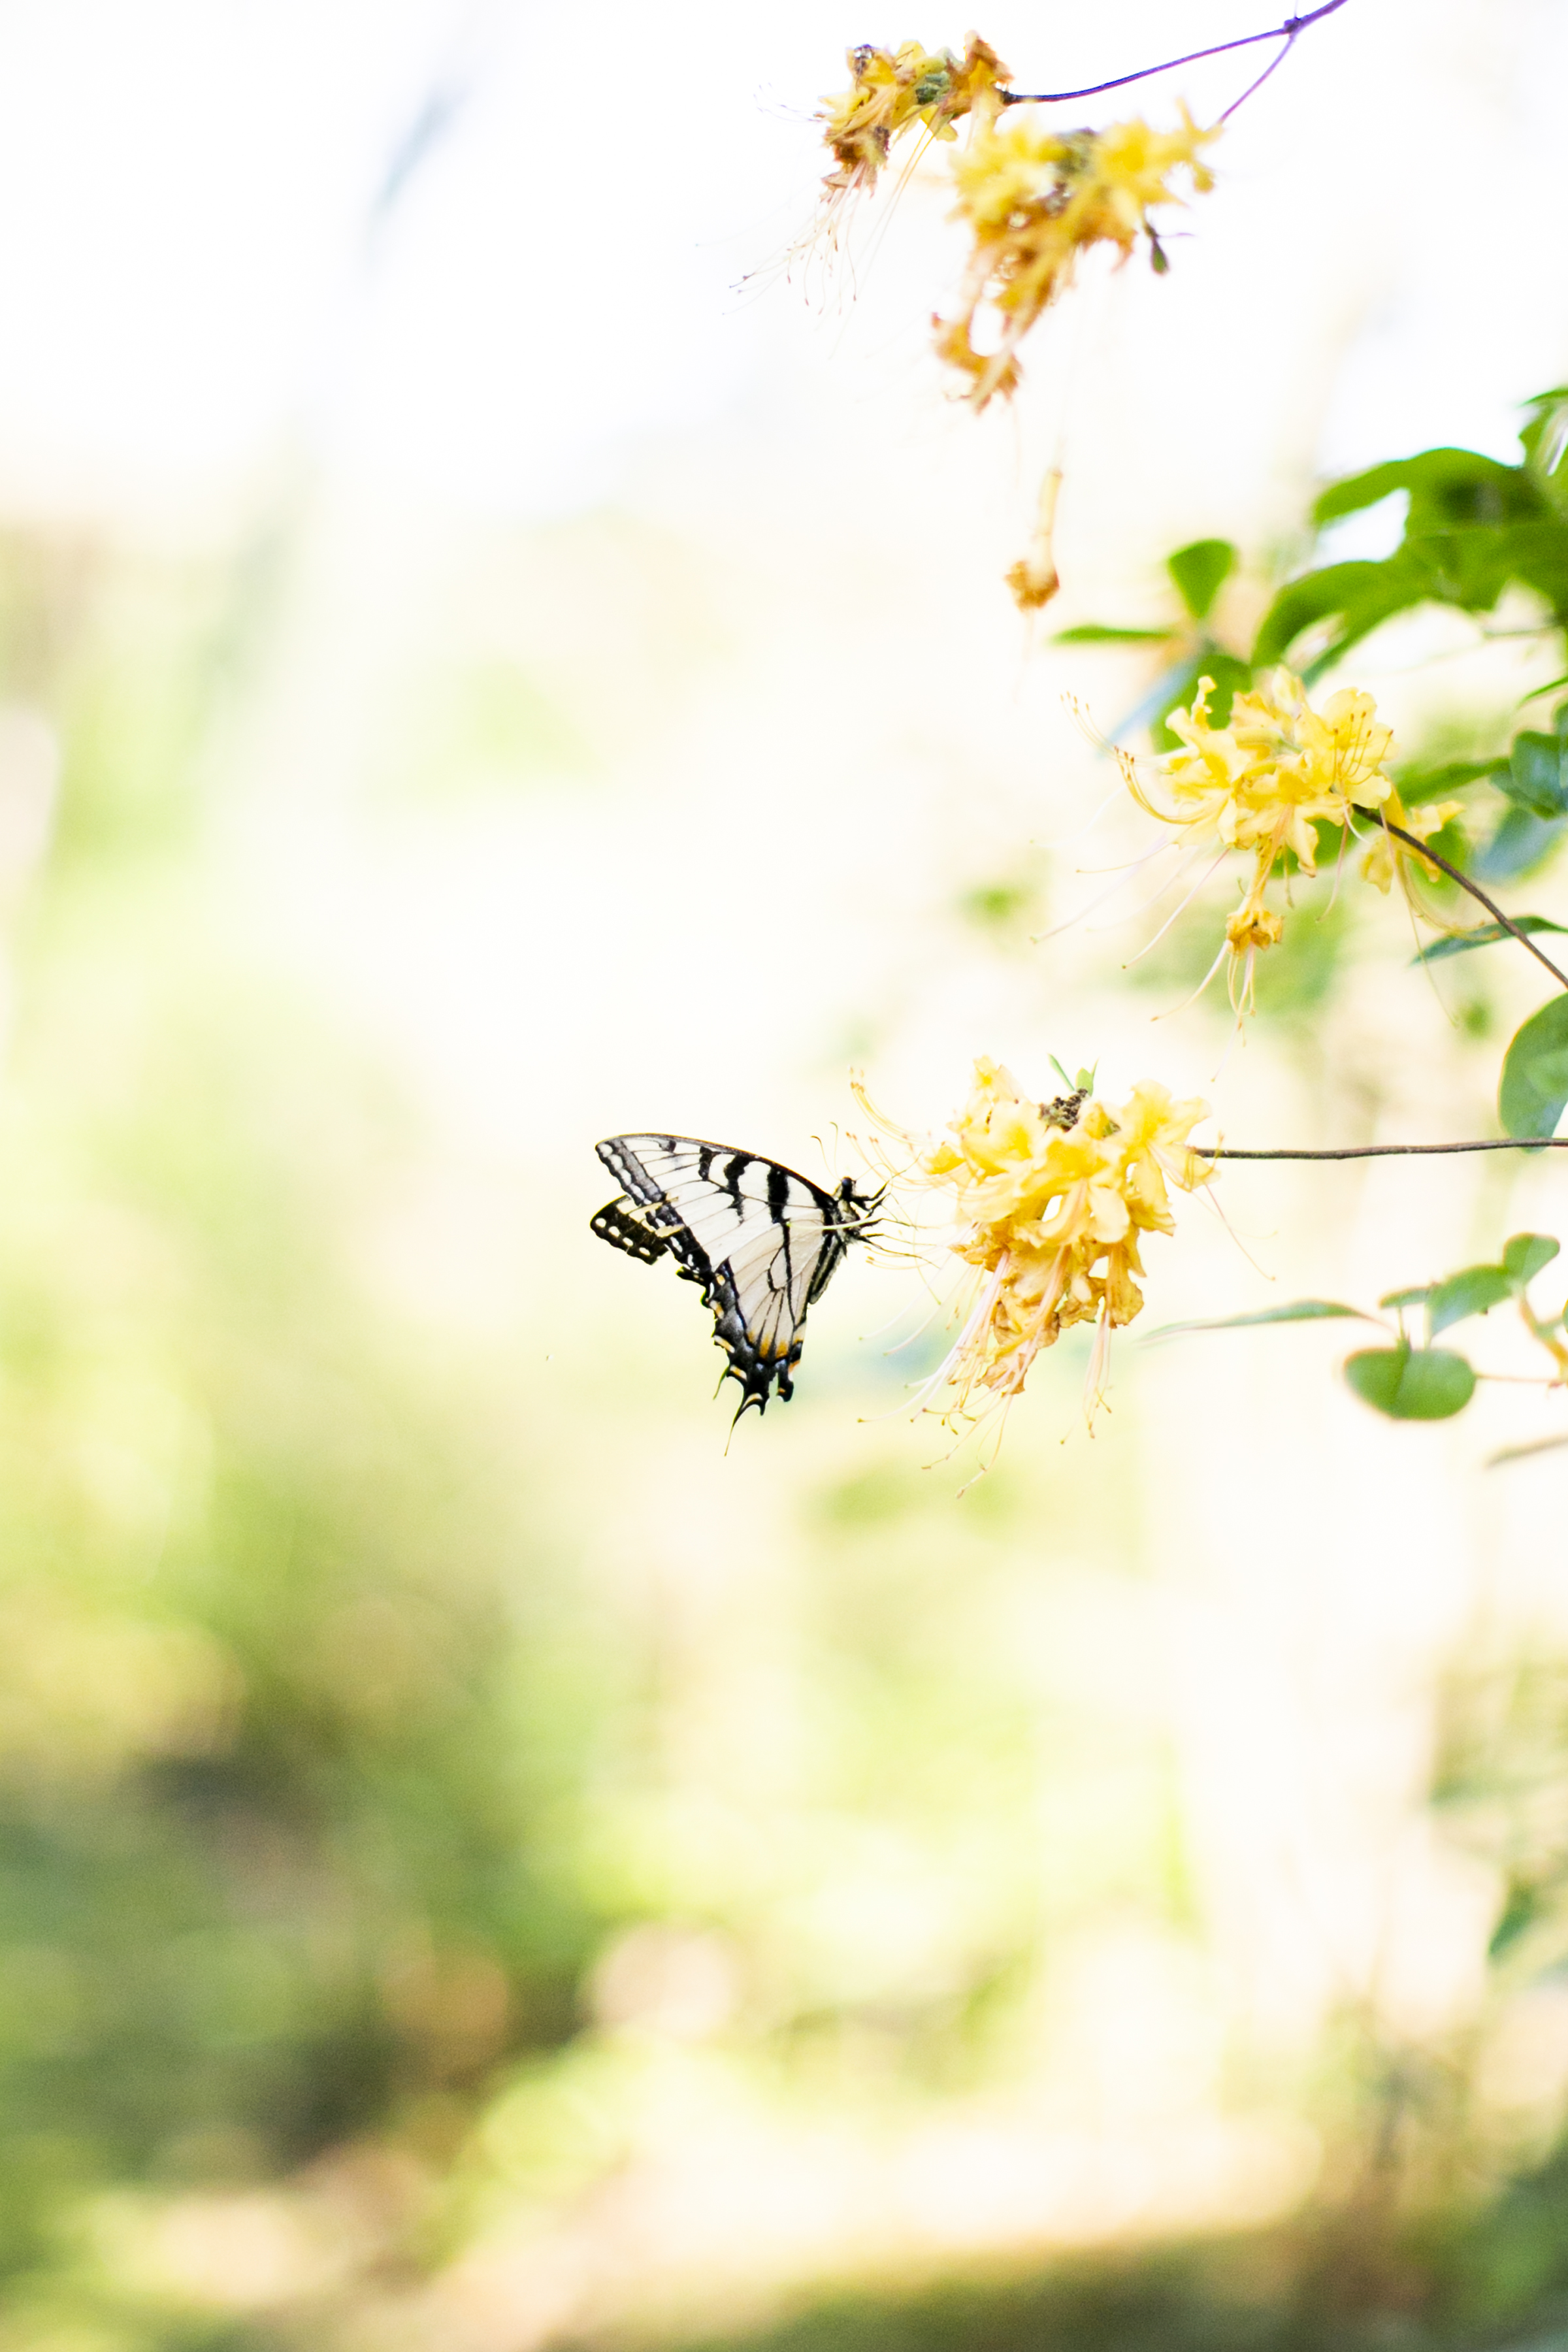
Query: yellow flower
point(1387, 857)
point(894, 88)
point(1034, 199)
point(1052, 1198)
point(1259, 784)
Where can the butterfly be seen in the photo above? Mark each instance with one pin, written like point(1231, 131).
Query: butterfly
point(763, 1243)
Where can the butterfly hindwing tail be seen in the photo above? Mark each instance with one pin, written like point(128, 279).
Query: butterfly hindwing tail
point(618, 1223)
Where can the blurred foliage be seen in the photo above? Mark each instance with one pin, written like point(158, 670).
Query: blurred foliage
point(290, 1732)
point(1360, 2280)
point(1294, 982)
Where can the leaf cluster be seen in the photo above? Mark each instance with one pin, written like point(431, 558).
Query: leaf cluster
point(1414, 1381)
point(1473, 528)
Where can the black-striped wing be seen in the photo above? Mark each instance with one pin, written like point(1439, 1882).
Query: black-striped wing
point(761, 1242)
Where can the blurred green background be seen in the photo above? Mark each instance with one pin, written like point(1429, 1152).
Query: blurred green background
point(482, 1867)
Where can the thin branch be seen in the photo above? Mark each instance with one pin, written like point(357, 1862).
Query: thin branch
point(1287, 32)
point(1476, 893)
point(1275, 62)
point(1387, 1150)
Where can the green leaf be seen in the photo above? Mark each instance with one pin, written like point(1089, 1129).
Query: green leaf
point(1534, 1087)
point(1524, 1906)
point(1521, 844)
point(1545, 441)
point(1536, 554)
point(1200, 571)
point(1473, 526)
point(1524, 1257)
point(1359, 594)
point(1419, 784)
point(1412, 1383)
point(1534, 777)
point(1230, 677)
point(1409, 1298)
point(1485, 935)
point(1091, 633)
point(1302, 1310)
point(1448, 489)
point(1475, 1291)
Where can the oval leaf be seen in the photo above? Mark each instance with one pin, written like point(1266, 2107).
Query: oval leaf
point(1535, 1074)
point(1521, 844)
point(1534, 777)
point(1412, 1383)
point(1475, 1291)
point(1418, 785)
point(1524, 1257)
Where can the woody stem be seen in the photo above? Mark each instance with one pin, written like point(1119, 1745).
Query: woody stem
point(1476, 893)
point(1387, 1150)
point(1287, 32)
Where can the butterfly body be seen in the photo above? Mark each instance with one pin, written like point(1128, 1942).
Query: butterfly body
point(761, 1242)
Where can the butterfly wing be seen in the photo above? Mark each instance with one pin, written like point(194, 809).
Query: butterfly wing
point(621, 1224)
point(761, 1242)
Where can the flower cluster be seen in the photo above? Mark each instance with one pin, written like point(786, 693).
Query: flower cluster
point(1052, 1198)
point(1259, 784)
point(1034, 199)
point(895, 88)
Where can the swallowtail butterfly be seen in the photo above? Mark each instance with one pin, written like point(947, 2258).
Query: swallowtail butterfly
point(763, 1243)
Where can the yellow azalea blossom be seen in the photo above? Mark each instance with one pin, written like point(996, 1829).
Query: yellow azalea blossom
point(1386, 856)
point(895, 88)
point(1034, 199)
point(1052, 1199)
point(1258, 783)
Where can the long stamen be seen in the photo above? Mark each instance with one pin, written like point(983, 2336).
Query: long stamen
point(1180, 910)
point(1039, 939)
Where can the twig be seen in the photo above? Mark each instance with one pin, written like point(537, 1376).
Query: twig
point(1387, 1150)
point(1275, 62)
point(1288, 32)
point(1454, 874)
